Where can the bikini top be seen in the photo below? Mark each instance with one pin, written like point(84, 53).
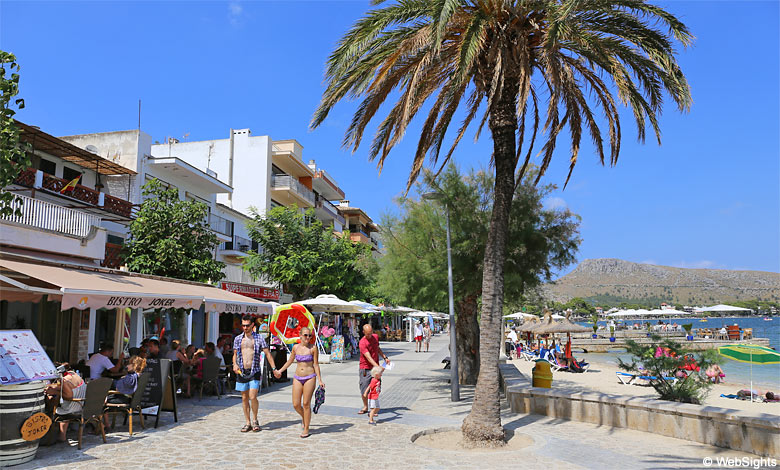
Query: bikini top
point(304, 357)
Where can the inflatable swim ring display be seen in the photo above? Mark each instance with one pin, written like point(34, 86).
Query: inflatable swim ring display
point(287, 321)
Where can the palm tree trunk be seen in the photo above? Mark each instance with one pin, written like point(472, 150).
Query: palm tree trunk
point(467, 330)
point(483, 424)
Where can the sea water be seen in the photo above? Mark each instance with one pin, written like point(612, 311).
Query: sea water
point(765, 376)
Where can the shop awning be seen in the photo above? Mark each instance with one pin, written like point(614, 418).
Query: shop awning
point(83, 288)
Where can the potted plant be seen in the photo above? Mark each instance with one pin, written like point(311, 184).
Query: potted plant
point(611, 333)
point(649, 326)
point(595, 320)
point(687, 327)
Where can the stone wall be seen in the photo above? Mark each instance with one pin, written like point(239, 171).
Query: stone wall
point(757, 433)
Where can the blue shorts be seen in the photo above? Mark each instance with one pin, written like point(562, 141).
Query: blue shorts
point(243, 387)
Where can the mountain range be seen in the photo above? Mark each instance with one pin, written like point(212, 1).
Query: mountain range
point(611, 281)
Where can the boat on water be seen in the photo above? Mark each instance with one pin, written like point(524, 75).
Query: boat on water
point(767, 318)
point(703, 320)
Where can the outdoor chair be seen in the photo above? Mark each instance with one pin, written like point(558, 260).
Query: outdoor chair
point(94, 401)
point(129, 408)
point(210, 375)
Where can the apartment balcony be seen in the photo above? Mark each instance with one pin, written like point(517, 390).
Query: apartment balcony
point(44, 226)
point(238, 247)
point(221, 226)
point(288, 191)
point(360, 237)
point(36, 179)
point(327, 211)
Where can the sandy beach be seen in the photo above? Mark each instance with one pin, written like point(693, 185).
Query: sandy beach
point(601, 378)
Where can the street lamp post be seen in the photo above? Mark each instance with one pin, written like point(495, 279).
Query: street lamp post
point(454, 383)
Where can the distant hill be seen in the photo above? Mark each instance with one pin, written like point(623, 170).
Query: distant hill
point(611, 281)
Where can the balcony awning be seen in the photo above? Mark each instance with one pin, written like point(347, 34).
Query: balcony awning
point(83, 288)
point(71, 153)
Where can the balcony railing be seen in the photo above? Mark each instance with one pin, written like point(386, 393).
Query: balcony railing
point(328, 207)
point(241, 244)
point(288, 182)
point(33, 178)
point(220, 224)
point(47, 216)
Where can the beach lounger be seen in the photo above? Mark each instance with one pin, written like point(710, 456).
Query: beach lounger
point(625, 378)
point(529, 355)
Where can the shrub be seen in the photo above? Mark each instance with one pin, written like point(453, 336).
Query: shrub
point(667, 358)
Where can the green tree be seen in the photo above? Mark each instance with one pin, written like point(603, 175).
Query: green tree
point(308, 260)
point(170, 237)
point(414, 268)
point(13, 152)
point(579, 306)
point(504, 60)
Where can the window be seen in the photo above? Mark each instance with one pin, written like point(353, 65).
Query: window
point(69, 174)
point(47, 166)
point(115, 240)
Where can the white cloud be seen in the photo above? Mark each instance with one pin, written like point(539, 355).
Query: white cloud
point(701, 264)
point(553, 203)
point(235, 12)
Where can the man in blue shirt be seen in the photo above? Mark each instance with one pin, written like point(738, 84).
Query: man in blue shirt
point(248, 366)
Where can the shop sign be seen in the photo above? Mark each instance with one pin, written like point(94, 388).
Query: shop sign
point(249, 290)
point(223, 307)
point(83, 301)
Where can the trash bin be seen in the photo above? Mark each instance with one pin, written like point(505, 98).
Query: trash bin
point(542, 375)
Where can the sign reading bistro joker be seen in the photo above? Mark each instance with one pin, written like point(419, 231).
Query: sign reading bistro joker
point(249, 290)
point(82, 301)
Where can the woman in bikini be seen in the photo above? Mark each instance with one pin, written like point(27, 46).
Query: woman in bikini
point(306, 355)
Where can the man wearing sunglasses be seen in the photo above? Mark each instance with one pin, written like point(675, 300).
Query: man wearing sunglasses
point(247, 364)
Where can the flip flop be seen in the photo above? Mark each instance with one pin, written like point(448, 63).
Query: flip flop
point(256, 427)
point(304, 436)
point(362, 412)
point(246, 428)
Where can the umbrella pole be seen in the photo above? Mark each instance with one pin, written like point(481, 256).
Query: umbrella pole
point(751, 375)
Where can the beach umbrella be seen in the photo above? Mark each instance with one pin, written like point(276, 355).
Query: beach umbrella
point(365, 305)
point(752, 354)
point(519, 315)
point(563, 326)
point(331, 303)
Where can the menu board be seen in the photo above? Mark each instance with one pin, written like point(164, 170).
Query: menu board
point(160, 393)
point(23, 359)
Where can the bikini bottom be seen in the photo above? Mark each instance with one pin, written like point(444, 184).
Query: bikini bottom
point(304, 379)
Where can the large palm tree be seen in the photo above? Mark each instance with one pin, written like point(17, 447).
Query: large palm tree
point(532, 67)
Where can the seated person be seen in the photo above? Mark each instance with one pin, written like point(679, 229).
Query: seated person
point(128, 384)
point(72, 387)
point(715, 373)
point(101, 362)
point(212, 351)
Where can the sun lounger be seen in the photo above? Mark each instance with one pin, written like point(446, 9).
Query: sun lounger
point(625, 378)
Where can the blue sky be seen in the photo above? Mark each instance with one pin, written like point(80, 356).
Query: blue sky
point(708, 197)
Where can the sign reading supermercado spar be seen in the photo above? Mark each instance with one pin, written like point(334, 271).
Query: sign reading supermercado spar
point(249, 290)
point(83, 301)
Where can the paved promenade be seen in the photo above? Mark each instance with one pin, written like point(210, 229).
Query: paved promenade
point(415, 396)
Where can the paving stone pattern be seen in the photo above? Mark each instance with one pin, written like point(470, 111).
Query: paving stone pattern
point(207, 435)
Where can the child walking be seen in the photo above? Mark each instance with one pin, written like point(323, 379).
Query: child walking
point(372, 393)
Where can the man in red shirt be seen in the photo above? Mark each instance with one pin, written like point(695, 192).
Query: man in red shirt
point(369, 358)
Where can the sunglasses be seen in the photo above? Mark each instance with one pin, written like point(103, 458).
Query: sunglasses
point(247, 326)
point(306, 336)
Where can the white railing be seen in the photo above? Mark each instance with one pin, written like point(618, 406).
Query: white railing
point(47, 216)
point(288, 182)
point(328, 207)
